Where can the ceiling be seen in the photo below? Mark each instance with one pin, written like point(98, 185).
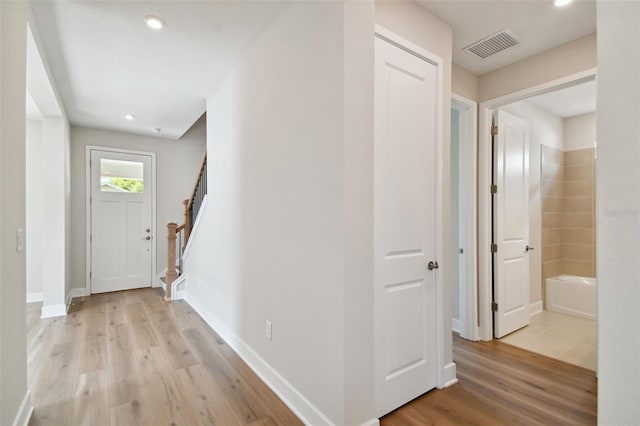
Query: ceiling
point(574, 100)
point(107, 63)
point(537, 24)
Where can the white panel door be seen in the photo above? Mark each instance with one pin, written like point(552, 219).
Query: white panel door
point(511, 224)
point(121, 217)
point(404, 226)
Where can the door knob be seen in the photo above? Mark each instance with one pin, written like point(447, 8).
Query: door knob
point(432, 265)
point(148, 237)
point(527, 248)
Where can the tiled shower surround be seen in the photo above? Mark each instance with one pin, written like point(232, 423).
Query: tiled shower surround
point(568, 212)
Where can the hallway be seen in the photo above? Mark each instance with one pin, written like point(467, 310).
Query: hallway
point(128, 358)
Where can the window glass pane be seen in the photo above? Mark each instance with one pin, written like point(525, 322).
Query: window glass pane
point(121, 176)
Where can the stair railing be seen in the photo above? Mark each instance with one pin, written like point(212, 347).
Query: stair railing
point(191, 208)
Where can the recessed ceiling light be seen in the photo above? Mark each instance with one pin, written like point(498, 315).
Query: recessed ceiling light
point(560, 3)
point(154, 22)
point(157, 129)
point(129, 116)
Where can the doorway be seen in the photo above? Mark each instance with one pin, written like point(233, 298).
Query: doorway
point(120, 226)
point(561, 214)
point(464, 216)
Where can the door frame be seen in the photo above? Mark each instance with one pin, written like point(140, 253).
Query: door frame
point(468, 217)
point(446, 373)
point(88, 219)
point(485, 276)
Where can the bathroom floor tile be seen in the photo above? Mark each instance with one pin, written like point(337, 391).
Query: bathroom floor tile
point(564, 337)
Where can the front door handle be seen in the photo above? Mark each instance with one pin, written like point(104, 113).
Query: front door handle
point(432, 265)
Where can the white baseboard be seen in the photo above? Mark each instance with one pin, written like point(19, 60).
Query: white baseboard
point(54, 311)
point(455, 325)
point(298, 403)
point(179, 288)
point(535, 308)
point(24, 412)
point(79, 292)
point(34, 297)
point(449, 375)
point(372, 422)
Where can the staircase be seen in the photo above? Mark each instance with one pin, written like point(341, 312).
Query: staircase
point(175, 273)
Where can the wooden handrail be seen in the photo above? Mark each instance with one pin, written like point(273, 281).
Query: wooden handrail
point(173, 228)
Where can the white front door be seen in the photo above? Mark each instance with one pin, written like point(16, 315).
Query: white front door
point(511, 224)
point(121, 216)
point(404, 226)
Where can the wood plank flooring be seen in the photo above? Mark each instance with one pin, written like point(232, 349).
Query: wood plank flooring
point(500, 384)
point(129, 358)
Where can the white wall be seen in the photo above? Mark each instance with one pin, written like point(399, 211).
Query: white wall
point(177, 167)
point(580, 131)
point(13, 365)
point(570, 58)
point(465, 83)
point(34, 210)
point(618, 213)
point(545, 129)
point(272, 247)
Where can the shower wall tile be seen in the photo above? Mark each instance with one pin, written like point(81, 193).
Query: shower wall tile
point(568, 213)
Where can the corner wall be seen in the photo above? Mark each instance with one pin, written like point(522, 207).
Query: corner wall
point(618, 212)
point(13, 364)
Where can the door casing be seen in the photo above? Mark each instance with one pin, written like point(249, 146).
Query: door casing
point(467, 214)
point(154, 239)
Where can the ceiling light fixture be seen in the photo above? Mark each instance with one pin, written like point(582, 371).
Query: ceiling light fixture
point(154, 22)
point(560, 3)
point(129, 116)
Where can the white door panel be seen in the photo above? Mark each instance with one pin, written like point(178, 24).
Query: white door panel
point(404, 222)
point(511, 226)
point(120, 221)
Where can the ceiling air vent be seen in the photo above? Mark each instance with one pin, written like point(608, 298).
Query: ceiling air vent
point(493, 44)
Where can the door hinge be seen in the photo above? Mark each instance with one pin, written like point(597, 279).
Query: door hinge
point(90, 274)
point(494, 306)
point(494, 189)
point(494, 248)
point(494, 130)
point(90, 238)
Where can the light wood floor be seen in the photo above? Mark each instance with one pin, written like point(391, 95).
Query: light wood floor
point(128, 358)
point(504, 385)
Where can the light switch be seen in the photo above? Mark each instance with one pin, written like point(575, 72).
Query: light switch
point(19, 240)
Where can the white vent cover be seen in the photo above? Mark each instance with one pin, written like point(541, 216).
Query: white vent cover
point(493, 44)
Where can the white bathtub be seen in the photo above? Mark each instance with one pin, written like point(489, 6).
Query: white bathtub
point(572, 295)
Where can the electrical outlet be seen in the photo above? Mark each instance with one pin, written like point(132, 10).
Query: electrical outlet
point(268, 329)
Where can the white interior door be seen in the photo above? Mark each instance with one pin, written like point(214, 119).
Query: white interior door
point(404, 226)
point(121, 220)
point(511, 224)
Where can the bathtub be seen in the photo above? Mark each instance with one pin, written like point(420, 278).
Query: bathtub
point(572, 295)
